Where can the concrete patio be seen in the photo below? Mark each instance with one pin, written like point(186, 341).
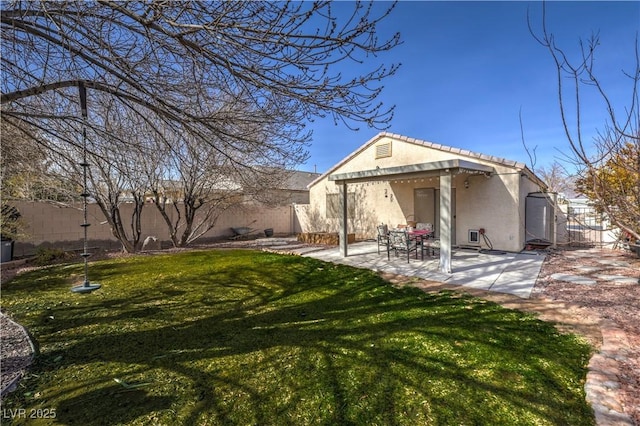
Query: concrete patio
point(512, 273)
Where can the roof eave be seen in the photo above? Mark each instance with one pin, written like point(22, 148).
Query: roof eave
point(433, 167)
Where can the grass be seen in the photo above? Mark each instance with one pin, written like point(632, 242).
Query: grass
point(253, 338)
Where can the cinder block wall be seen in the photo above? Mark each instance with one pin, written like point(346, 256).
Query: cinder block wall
point(49, 225)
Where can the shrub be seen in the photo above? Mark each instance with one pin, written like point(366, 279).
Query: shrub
point(50, 255)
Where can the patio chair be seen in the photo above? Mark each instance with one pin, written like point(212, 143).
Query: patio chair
point(431, 246)
point(400, 242)
point(424, 226)
point(383, 236)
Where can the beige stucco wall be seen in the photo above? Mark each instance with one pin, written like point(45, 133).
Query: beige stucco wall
point(59, 226)
point(492, 204)
point(495, 203)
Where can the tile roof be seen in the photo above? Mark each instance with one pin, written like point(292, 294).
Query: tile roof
point(395, 136)
point(298, 180)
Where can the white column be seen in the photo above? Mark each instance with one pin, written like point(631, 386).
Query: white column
point(343, 218)
point(446, 215)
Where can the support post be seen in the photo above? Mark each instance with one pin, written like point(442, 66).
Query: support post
point(446, 216)
point(343, 234)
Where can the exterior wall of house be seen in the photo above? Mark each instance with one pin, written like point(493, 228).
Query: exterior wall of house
point(372, 206)
point(389, 202)
point(494, 203)
point(491, 204)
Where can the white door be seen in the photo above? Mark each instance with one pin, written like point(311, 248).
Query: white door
point(426, 203)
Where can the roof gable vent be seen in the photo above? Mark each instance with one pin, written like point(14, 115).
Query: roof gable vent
point(383, 150)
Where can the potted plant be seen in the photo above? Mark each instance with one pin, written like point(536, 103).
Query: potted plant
point(628, 237)
point(10, 230)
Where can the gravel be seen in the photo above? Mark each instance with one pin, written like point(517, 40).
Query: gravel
point(613, 300)
point(17, 353)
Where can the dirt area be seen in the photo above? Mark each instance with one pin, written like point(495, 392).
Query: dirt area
point(580, 308)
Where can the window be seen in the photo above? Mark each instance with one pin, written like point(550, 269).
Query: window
point(333, 206)
point(383, 150)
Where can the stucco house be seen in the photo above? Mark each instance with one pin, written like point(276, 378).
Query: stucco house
point(394, 179)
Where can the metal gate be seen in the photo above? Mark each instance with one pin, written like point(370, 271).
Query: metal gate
point(585, 226)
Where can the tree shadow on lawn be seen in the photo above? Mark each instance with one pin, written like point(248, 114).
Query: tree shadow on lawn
point(240, 344)
point(125, 405)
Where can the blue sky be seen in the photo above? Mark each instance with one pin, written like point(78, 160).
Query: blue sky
point(468, 68)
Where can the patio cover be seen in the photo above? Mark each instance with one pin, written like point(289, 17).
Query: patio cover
point(444, 169)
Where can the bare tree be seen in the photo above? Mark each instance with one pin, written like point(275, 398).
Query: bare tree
point(27, 173)
point(114, 187)
point(242, 77)
point(192, 183)
point(621, 130)
point(178, 62)
point(557, 178)
point(116, 182)
point(191, 188)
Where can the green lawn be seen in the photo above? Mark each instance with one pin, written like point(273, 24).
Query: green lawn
point(253, 338)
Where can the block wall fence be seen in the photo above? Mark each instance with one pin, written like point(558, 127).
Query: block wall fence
point(49, 225)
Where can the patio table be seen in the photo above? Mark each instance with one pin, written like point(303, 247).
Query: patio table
point(420, 233)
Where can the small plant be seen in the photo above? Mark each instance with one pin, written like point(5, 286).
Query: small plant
point(50, 255)
point(11, 226)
